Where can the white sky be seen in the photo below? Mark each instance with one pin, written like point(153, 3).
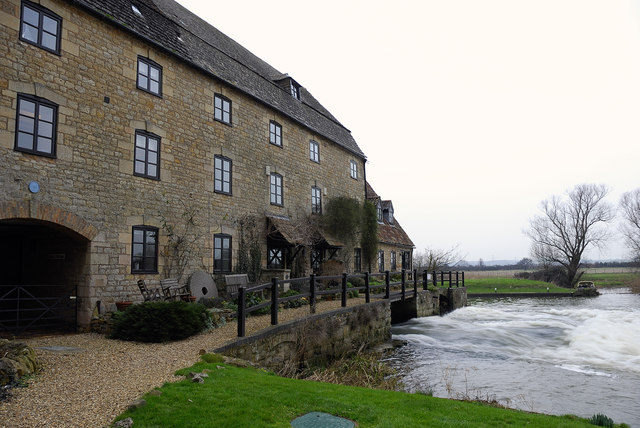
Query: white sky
point(470, 112)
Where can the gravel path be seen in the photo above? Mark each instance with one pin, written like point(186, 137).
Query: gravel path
point(91, 386)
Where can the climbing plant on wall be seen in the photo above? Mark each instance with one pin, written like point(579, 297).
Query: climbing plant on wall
point(369, 235)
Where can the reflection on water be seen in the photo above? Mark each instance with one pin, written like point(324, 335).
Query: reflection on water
point(557, 356)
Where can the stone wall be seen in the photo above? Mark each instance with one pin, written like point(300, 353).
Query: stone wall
point(315, 340)
point(89, 186)
point(428, 303)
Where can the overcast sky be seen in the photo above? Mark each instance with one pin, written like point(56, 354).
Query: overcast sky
point(470, 112)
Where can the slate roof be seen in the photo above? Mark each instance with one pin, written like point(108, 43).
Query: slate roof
point(387, 233)
point(172, 28)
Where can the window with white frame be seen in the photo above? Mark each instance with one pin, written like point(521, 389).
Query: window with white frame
point(222, 109)
point(314, 151)
point(275, 189)
point(316, 200)
point(275, 133)
point(222, 174)
point(40, 27)
point(354, 169)
point(149, 76)
point(36, 120)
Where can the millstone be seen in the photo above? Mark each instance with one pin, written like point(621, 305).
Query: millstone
point(321, 420)
point(202, 285)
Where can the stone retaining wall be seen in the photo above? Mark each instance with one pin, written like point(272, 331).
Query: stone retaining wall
point(317, 339)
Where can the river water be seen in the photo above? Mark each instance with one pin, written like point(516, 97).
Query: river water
point(558, 356)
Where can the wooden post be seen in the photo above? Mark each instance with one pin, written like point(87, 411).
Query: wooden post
point(344, 290)
point(463, 278)
point(387, 281)
point(312, 292)
point(367, 290)
point(415, 283)
point(242, 294)
point(402, 282)
point(457, 279)
point(425, 280)
point(449, 279)
point(435, 279)
point(274, 301)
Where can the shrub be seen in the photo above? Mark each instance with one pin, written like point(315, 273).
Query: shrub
point(296, 303)
point(601, 420)
point(353, 293)
point(253, 299)
point(160, 321)
point(357, 282)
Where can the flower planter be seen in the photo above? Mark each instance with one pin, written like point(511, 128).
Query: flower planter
point(123, 305)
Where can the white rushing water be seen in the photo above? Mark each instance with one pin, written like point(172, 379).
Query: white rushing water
point(557, 356)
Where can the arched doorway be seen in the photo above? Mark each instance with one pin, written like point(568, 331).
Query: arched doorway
point(42, 264)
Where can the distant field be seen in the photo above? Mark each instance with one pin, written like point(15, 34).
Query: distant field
point(505, 282)
point(511, 285)
point(511, 272)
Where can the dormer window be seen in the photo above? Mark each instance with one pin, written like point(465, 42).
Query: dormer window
point(379, 208)
point(388, 214)
point(295, 89)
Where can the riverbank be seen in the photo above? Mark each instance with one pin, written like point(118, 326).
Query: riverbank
point(240, 397)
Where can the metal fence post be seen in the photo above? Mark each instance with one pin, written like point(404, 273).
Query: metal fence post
point(367, 289)
point(274, 300)
point(387, 281)
point(242, 293)
point(344, 290)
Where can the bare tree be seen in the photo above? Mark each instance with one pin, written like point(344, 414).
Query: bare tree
point(630, 205)
point(568, 226)
point(435, 259)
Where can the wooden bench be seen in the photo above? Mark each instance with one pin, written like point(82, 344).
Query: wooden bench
point(171, 290)
point(235, 281)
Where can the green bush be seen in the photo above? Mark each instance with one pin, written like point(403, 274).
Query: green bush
point(357, 282)
point(296, 303)
point(601, 420)
point(160, 321)
point(353, 293)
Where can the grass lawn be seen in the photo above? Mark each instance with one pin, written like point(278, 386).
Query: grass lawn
point(511, 285)
point(246, 397)
point(620, 279)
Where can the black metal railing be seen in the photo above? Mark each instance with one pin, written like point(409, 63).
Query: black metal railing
point(381, 285)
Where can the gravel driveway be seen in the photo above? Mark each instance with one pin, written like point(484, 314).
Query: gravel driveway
point(90, 386)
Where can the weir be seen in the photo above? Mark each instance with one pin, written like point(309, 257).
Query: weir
point(319, 339)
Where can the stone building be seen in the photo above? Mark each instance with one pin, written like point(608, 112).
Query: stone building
point(395, 248)
point(139, 142)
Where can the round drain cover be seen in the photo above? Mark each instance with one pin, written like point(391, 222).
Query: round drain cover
point(321, 420)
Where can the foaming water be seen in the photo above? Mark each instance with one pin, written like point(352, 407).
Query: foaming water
point(557, 356)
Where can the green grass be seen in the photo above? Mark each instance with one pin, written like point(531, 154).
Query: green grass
point(620, 279)
point(246, 397)
point(511, 285)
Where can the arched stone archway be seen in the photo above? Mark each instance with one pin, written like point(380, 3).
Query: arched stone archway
point(44, 264)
